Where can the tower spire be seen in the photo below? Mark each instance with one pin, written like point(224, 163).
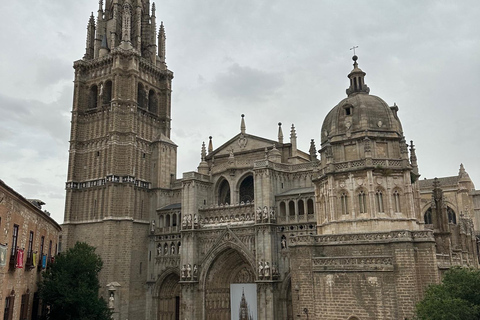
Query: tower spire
point(89, 48)
point(161, 43)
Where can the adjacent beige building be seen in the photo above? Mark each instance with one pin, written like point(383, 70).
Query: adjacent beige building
point(335, 233)
point(26, 230)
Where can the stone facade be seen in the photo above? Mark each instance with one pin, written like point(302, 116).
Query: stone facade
point(24, 226)
point(342, 236)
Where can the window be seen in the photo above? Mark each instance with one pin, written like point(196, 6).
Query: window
point(24, 306)
point(8, 311)
point(301, 209)
point(152, 102)
point(348, 111)
point(107, 93)
point(379, 200)
point(362, 202)
point(396, 201)
point(224, 192)
point(141, 96)
point(283, 209)
point(344, 202)
point(291, 208)
point(247, 190)
point(310, 206)
point(50, 251)
point(14, 239)
point(452, 217)
point(30, 250)
point(428, 216)
point(92, 103)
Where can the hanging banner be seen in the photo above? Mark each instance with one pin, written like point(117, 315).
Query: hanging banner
point(243, 301)
point(44, 261)
point(19, 258)
point(34, 259)
point(3, 255)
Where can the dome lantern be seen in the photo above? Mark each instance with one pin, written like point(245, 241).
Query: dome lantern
point(357, 82)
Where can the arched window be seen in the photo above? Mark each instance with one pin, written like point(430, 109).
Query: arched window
point(167, 221)
point(379, 200)
point(362, 202)
point(247, 189)
point(141, 96)
point(224, 192)
point(428, 216)
point(291, 208)
point(301, 209)
point(344, 202)
point(107, 93)
point(92, 102)
point(452, 217)
point(310, 206)
point(283, 209)
point(174, 220)
point(152, 101)
point(396, 201)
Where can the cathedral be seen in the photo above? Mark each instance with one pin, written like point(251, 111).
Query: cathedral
point(348, 231)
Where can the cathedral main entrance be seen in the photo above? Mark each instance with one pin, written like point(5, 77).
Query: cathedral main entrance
point(169, 298)
point(229, 267)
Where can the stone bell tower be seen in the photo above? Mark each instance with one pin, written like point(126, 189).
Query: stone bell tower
point(120, 147)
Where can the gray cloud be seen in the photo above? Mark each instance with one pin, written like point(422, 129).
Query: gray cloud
point(272, 60)
point(246, 84)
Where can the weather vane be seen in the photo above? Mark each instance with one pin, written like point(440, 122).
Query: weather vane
point(353, 48)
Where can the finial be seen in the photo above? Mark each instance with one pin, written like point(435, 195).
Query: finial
point(280, 133)
point(436, 183)
point(242, 125)
point(100, 5)
point(204, 152)
point(313, 151)
point(462, 173)
point(210, 144)
point(293, 133)
point(153, 9)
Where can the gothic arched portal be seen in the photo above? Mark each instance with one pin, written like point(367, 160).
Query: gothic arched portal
point(169, 298)
point(228, 267)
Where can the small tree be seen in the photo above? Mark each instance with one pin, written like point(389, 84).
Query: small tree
point(70, 286)
point(456, 298)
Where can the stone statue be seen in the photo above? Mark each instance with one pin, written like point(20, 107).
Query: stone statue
point(189, 271)
point(265, 213)
point(275, 273)
point(173, 249)
point(259, 214)
point(111, 301)
point(195, 271)
point(266, 270)
point(284, 242)
point(260, 270)
point(184, 272)
point(272, 213)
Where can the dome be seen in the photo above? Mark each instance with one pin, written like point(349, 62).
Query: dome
point(360, 112)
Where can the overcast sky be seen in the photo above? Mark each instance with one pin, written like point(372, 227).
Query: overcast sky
point(274, 61)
